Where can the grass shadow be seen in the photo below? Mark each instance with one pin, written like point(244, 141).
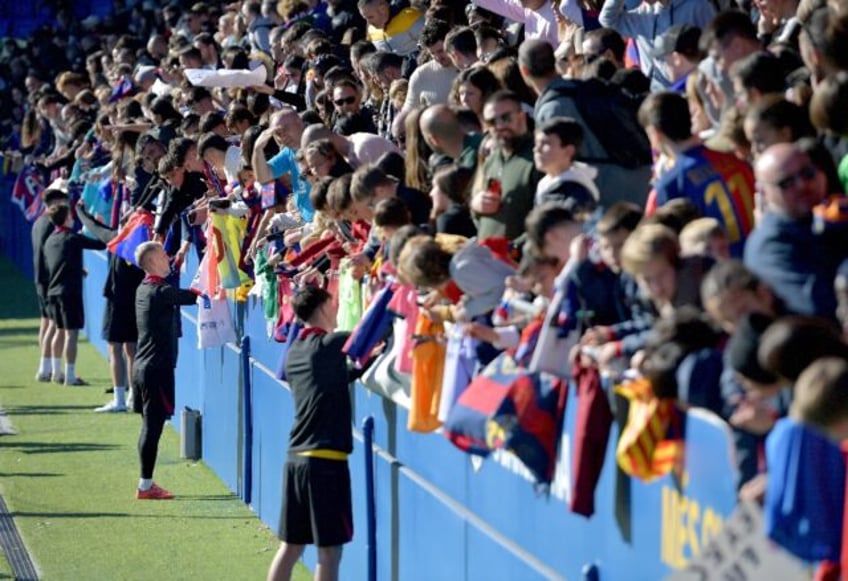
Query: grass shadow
point(213, 497)
point(30, 474)
point(39, 410)
point(50, 448)
point(28, 330)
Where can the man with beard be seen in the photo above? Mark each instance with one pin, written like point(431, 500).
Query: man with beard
point(504, 196)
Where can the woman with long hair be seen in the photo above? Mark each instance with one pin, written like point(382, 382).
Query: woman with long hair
point(417, 153)
point(472, 87)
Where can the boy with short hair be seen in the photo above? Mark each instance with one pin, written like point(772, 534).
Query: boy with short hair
point(557, 142)
point(633, 314)
point(730, 291)
point(316, 488)
point(63, 259)
point(370, 185)
point(705, 237)
point(652, 256)
point(819, 397)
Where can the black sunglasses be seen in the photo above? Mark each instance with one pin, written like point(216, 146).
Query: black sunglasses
point(806, 173)
point(502, 118)
point(346, 101)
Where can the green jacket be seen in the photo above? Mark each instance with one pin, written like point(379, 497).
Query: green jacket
point(518, 176)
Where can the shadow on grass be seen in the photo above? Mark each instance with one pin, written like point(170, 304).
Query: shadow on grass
point(24, 342)
point(50, 448)
point(215, 497)
point(39, 410)
point(30, 474)
point(25, 514)
point(22, 330)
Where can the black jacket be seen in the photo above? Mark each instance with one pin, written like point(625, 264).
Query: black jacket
point(63, 258)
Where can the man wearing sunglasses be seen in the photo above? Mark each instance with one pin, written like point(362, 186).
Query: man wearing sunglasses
point(783, 249)
point(347, 101)
point(509, 174)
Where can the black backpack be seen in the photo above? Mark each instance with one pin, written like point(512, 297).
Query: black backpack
point(612, 116)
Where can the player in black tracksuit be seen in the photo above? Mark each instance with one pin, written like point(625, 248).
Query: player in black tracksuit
point(63, 258)
point(42, 228)
point(157, 310)
point(119, 328)
point(316, 488)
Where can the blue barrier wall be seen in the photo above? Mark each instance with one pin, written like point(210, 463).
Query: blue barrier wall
point(438, 515)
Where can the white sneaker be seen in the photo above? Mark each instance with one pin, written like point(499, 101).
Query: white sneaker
point(43, 377)
point(111, 407)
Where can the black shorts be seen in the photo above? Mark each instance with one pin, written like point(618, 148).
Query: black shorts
point(119, 323)
point(43, 305)
point(316, 502)
point(156, 387)
point(66, 311)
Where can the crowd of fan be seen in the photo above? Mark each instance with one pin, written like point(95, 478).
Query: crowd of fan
point(677, 168)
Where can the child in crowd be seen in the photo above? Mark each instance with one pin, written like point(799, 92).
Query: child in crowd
point(652, 256)
point(730, 291)
point(557, 141)
point(600, 284)
point(633, 314)
point(705, 237)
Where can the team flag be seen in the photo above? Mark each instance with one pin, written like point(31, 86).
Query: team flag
point(137, 230)
point(26, 193)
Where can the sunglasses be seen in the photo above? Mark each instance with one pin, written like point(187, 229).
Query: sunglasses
point(503, 118)
point(806, 174)
point(346, 101)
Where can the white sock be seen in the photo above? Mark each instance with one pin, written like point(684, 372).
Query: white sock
point(56, 365)
point(70, 374)
point(120, 396)
point(45, 366)
point(145, 483)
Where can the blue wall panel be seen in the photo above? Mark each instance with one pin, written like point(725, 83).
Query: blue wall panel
point(221, 419)
point(191, 371)
point(272, 417)
point(432, 536)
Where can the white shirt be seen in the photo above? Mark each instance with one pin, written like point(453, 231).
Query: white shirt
point(539, 23)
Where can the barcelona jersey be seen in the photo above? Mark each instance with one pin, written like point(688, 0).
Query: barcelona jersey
point(721, 186)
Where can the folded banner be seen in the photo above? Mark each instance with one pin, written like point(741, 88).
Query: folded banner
point(467, 423)
point(229, 78)
point(350, 297)
point(371, 329)
point(137, 230)
point(591, 436)
point(27, 189)
point(214, 323)
point(428, 364)
point(227, 233)
point(651, 443)
point(460, 366)
point(528, 422)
